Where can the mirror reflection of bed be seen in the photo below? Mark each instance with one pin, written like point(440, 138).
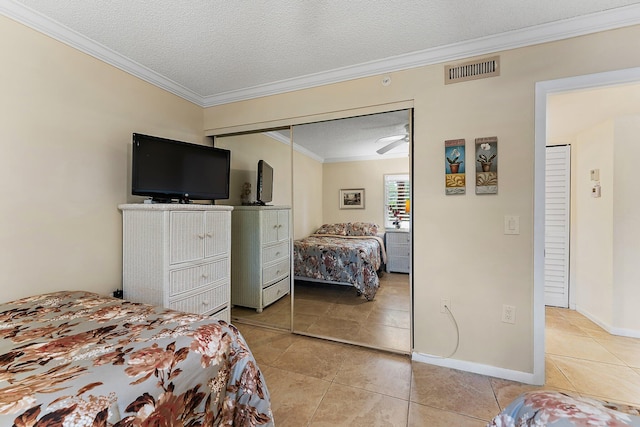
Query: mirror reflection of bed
point(322, 308)
point(312, 164)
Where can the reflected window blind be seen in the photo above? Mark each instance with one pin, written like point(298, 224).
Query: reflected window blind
point(397, 190)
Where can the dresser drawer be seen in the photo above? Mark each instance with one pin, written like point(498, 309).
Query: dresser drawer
point(275, 272)
point(185, 279)
point(399, 264)
point(203, 302)
point(223, 314)
point(398, 238)
point(275, 252)
point(275, 292)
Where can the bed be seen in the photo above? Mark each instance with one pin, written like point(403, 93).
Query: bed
point(555, 409)
point(81, 359)
point(343, 253)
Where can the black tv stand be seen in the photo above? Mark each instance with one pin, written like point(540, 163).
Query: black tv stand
point(256, 203)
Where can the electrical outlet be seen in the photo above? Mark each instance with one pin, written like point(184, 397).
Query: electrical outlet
point(508, 314)
point(444, 303)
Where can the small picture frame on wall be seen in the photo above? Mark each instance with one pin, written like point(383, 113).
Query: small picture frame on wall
point(454, 166)
point(487, 165)
point(352, 198)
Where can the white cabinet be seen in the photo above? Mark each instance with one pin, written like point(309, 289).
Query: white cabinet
point(398, 246)
point(178, 256)
point(261, 255)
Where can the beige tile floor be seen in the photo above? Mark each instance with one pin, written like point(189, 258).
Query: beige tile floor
point(335, 311)
point(315, 382)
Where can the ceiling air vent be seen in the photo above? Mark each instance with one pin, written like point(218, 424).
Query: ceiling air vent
point(472, 70)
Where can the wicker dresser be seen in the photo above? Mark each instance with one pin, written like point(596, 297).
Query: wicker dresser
point(178, 256)
point(261, 262)
point(398, 245)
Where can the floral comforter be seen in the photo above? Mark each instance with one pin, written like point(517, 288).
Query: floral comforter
point(80, 359)
point(345, 259)
point(555, 409)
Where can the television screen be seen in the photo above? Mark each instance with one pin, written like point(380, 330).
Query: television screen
point(165, 170)
point(265, 183)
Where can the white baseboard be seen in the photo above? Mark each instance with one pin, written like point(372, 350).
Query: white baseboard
point(477, 368)
point(623, 332)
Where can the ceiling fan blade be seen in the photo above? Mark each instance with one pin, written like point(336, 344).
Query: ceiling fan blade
point(392, 145)
point(391, 138)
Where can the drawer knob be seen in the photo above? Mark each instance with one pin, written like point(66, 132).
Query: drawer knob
point(205, 302)
point(277, 253)
point(201, 236)
point(204, 276)
point(209, 235)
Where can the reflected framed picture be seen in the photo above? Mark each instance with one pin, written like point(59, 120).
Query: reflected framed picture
point(352, 198)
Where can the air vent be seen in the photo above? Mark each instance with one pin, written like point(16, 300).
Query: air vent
point(472, 70)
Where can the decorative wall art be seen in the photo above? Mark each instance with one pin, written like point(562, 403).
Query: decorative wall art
point(454, 167)
point(487, 165)
point(352, 198)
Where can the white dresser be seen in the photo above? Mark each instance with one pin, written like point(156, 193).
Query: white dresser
point(261, 255)
point(398, 246)
point(178, 256)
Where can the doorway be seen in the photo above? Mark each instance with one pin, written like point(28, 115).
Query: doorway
point(543, 122)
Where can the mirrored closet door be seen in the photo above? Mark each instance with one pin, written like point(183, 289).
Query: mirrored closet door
point(347, 175)
point(261, 234)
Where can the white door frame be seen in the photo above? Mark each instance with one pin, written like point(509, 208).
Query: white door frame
point(542, 90)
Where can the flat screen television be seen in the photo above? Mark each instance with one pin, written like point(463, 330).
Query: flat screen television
point(264, 193)
point(168, 170)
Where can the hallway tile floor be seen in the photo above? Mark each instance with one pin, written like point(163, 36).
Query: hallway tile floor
point(314, 382)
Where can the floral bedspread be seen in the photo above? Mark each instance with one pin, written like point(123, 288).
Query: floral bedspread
point(81, 359)
point(345, 259)
point(555, 409)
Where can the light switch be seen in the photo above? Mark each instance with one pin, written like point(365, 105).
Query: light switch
point(511, 224)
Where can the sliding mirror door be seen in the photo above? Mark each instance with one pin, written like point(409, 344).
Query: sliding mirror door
point(345, 287)
point(261, 227)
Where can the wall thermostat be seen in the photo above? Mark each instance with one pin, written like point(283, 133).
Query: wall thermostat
point(595, 174)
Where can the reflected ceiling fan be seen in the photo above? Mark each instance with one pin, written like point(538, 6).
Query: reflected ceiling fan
point(393, 141)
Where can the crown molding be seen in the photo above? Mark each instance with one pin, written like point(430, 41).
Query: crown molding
point(554, 31)
point(57, 31)
point(366, 158)
point(287, 141)
point(587, 24)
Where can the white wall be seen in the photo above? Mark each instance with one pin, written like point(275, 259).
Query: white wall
point(307, 195)
point(593, 250)
point(361, 174)
point(626, 229)
point(66, 121)
point(246, 151)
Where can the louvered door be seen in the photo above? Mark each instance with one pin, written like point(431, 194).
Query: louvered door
point(556, 247)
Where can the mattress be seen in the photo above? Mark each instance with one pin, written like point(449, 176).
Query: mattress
point(81, 359)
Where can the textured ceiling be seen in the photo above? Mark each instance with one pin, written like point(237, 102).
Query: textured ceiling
point(213, 47)
point(212, 51)
point(355, 138)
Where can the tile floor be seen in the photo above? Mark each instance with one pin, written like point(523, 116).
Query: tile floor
point(336, 311)
point(315, 382)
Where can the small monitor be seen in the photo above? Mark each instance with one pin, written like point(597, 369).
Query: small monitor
point(264, 192)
